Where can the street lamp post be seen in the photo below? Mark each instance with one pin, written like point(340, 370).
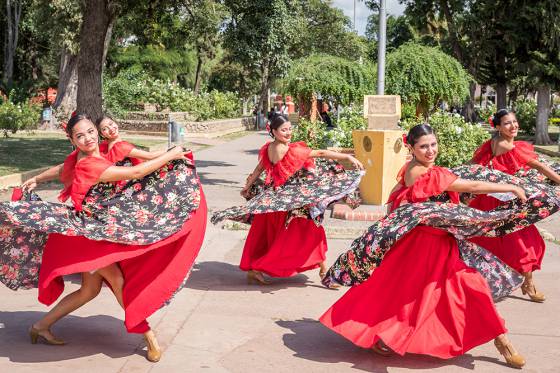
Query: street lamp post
point(381, 48)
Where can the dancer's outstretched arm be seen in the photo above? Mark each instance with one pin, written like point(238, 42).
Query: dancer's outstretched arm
point(144, 155)
point(52, 173)
point(118, 173)
point(251, 179)
point(328, 154)
point(545, 170)
point(483, 187)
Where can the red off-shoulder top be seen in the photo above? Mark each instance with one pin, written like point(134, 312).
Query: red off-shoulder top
point(79, 176)
point(119, 151)
point(434, 182)
point(296, 157)
point(509, 162)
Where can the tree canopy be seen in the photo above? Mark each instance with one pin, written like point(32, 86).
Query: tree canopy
point(344, 80)
point(425, 76)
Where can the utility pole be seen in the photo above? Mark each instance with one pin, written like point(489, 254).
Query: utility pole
point(381, 47)
point(354, 16)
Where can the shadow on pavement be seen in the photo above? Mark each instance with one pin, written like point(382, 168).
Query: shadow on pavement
point(252, 152)
point(310, 340)
point(219, 276)
point(85, 336)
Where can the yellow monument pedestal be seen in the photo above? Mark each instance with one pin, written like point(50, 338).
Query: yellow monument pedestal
point(382, 153)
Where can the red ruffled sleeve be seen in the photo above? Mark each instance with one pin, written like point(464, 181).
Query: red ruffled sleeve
point(118, 152)
point(509, 162)
point(524, 152)
point(296, 158)
point(67, 175)
point(434, 182)
point(86, 174)
point(483, 154)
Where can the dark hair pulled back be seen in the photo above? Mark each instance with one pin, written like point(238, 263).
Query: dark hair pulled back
point(418, 131)
point(276, 122)
point(73, 121)
point(497, 117)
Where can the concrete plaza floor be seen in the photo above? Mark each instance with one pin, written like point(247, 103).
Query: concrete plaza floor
point(219, 323)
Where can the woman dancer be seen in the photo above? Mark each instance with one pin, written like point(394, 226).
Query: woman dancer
point(141, 277)
point(285, 238)
point(421, 298)
point(524, 249)
point(113, 147)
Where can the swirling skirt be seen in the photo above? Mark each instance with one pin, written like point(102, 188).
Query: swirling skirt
point(281, 251)
point(422, 299)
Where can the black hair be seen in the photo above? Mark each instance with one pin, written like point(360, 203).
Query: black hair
point(74, 120)
point(497, 117)
point(276, 122)
point(418, 131)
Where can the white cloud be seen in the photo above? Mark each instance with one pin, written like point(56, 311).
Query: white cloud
point(362, 11)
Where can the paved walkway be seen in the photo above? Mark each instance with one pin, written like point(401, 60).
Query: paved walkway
point(218, 323)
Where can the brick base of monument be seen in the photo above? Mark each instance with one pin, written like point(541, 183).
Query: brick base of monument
point(362, 213)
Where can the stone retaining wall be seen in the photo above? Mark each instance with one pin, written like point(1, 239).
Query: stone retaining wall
point(210, 128)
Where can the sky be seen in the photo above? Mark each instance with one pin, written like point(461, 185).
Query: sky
point(362, 11)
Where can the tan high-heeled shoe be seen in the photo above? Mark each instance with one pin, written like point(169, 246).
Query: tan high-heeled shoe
point(528, 288)
point(382, 349)
point(255, 277)
point(154, 352)
point(513, 358)
point(35, 335)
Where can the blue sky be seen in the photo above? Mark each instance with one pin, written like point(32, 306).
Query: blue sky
point(362, 11)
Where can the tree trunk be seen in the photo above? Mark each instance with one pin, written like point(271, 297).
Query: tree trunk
point(468, 110)
point(263, 101)
point(543, 107)
point(501, 96)
point(13, 15)
point(97, 20)
point(198, 74)
point(67, 84)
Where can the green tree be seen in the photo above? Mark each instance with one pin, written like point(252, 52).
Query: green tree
point(334, 77)
point(260, 34)
point(326, 30)
point(537, 56)
point(425, 77)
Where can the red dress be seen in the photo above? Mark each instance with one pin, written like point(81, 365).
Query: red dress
point(423, 298)
point(273, 248)
point(522, 250)
point(152, 273)
point(119, 151)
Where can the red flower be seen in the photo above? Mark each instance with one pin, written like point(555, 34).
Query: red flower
point(404, 136)
point(537, 203)
point(137, 186)
point(543, 213)
point(490, 121)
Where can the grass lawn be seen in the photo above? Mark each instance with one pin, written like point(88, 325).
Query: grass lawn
point(23, 152)
point(26, 151)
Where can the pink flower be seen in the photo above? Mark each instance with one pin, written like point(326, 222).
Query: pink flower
point(137, 186)
point(543, 213)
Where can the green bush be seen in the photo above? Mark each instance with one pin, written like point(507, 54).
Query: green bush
point(124, 92)
point(132, 87)
point(317, 136)
point(15, 117)
point(484, 113)
point(312, 133)
point(341, 135)
point(526, 113)
point(457, 139)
